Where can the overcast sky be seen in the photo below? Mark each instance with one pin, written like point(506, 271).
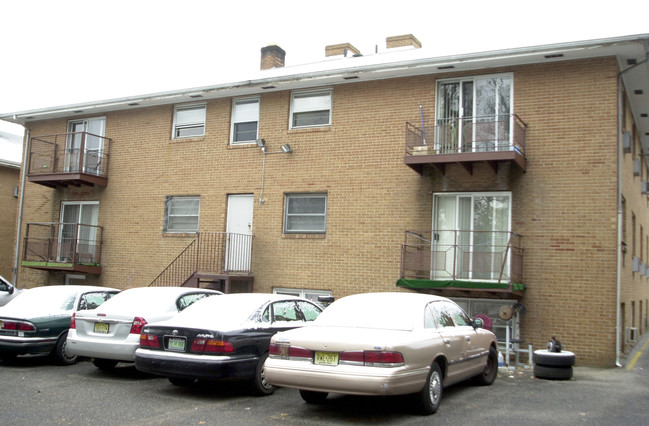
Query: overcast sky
point(64, 52)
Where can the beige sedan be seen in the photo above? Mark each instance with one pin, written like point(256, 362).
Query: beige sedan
point(384, 344)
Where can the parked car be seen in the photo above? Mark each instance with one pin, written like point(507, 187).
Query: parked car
point(111, 334)
point(38, 321)
point(221, 337)
point(384, 344)
point(7, 291)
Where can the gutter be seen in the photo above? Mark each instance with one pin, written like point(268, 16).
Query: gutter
point(20, 209)
point(620, 219)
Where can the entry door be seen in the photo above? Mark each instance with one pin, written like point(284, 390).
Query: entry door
point(238, 248)
point(78, 231)
point(91, 153)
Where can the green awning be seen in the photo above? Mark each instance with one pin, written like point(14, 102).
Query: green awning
point(419, 283)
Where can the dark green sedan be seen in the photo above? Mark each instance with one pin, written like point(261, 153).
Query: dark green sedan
point(38, 320)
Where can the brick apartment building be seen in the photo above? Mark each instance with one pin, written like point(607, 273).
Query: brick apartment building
point(514, 182)
point(9, 183)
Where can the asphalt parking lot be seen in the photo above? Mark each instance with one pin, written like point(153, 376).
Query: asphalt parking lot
point(36, 392)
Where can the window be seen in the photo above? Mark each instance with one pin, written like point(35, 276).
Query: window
point(181, 214)
point(245, 120)
point(189, 121)
point(85, 145)
point(309, 109)
point(305, 213)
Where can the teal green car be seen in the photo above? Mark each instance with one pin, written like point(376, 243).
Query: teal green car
point(37, 321)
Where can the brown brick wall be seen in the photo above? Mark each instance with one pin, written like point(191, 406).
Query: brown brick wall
point(564, 205)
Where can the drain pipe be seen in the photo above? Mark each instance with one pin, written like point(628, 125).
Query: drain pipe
point(20, 208)
point(618, 278)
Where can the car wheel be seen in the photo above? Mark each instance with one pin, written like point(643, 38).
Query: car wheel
point(488, 375)
point(181, 381)
point(554, 359)
point(430, 396)
point(313, 397)
point(104, 364)
point(260, 385)
point(60, 354)
point(553, 373)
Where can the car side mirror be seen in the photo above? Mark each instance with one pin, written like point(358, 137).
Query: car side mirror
point(10, 289)
point(477, 323)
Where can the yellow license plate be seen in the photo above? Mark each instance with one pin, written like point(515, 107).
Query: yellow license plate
point(101, 328)
point(326, 358)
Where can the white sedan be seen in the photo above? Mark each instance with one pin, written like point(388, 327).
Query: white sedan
point(384, 344)
point(111, 333)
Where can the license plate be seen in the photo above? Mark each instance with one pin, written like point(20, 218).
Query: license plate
point(176, 344)
point(326, 358)
point(101, 328)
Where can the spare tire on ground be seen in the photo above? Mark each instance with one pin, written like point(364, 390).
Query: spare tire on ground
point(554, 359)
point(552, 373)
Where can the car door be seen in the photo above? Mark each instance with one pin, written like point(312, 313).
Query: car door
point(474, 351)
point(454, 346)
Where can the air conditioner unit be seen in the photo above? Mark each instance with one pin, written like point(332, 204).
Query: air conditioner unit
point(644, 187)
point(636, 167)
point(626, 142)
point(636, 264)
point(632, 335)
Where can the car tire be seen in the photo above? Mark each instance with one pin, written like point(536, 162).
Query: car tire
point(490, 372)
point(181, 381)
point(59, 353)
point(552, 373)
point(260, 386)
point(313, 397)
point(554, 359)
point(429, 397)
point(104, 364)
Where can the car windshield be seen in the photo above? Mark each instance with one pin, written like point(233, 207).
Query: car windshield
point(366, 311)
point(43, 300)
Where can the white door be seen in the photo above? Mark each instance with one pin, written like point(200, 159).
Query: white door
point(238, 247)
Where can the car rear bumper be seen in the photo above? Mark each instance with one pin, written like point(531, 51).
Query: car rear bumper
point(105, 348)
point(356, 380)
point(171, 364)
point(27, 345)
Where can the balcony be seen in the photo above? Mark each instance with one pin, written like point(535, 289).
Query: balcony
point(69, 159)
point(218, 260)
point(463, 263)
point(69, 247)
point(466, 141)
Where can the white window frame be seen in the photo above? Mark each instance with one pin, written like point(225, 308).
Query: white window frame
point(171, 198)
point(235, 121)
point(287, 214)
point(188, 125)
point(295, 109)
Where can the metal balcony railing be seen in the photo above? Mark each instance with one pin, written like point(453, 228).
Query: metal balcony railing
point(467, 135)
point(68, 156)
point(485, 256)
point(62, 243)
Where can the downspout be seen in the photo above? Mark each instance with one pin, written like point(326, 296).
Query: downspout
point(618, 278)
point(20, 209)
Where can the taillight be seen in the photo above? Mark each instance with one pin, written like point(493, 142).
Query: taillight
point(211, 346)
point(138, 323)
point(372, 358)
point(73, 321)
point(149, 341)
point(285, 351)
point(18, 325)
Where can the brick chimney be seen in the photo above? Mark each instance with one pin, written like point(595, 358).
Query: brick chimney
point(406, 40)
point(272, 57)
point(344, 49)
